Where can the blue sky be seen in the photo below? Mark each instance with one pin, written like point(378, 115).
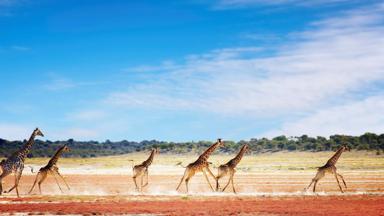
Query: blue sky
point(191, 70)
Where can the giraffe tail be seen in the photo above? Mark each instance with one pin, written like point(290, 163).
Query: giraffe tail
point(31, 169)
point(180, 164)
point(214, 165)
point(132, 163)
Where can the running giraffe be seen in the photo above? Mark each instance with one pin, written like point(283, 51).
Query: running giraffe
point(141, 170)
point(15, 162)
point(330, 168)
point(51, 168)
point(200, 165)
point(229, 168)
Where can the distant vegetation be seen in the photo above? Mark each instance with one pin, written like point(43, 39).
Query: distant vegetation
point(367, 141)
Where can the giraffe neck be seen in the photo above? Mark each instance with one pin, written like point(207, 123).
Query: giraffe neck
point(148, 162)
point(27, 147)
point(335, 157)
point(208, 152)
point(238, 157)
point(56, 157)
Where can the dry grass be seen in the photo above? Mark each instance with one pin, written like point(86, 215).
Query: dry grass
point(354, 160)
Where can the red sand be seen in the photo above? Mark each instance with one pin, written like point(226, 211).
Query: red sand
point(110, 195)
point(325, 205)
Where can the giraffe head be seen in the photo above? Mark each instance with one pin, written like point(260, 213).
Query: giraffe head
point(220, 142)
point(346, 148)
point(37, 132)
point(245, 148)
point(66, 148)
point(156, 150)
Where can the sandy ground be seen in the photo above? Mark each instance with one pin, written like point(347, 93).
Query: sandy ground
point(323, 205)
point(265, 193)
point(266, 184)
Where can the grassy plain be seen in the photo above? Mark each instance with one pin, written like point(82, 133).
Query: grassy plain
point(354, 160)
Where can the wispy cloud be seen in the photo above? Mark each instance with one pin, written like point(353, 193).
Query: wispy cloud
point(165, 65)
point(57, 82)
point(229, 4)
point(86, 115)
point(356, 117)
point(77, 133)
point(8, 2)
point(13, 131)
point(60, 84)
point(326, 67)
point(20, 48)
point(7, 5)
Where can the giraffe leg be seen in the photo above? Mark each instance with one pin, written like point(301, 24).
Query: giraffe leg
point(314, 186)
point(141, 180)
point(43, 177)
point(338, 183)
point(182, 178)
point(220, 174)
point(190, 174)
point(57, 182)
point(206, 177)
point(65, 182)
point(342, 178)
point(34, 183)
point(134, 180)
point(233, 186)
point(146, 178)
point(210, 172)
point(217, 182)
point(138, 175)
point(3, 175)
point(313, 180)
point(134, 177)
point(18, 176)
point(320, 174)
point(17, 179)
point(229, 181)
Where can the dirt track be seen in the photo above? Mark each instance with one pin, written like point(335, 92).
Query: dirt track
point(323, 205)
point(266, 194)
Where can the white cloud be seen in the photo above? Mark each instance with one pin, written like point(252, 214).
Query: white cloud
point(328, 63)
point(8, 2)
point(20, 48)
point(60, 84)
point(11, 131)
point(166, 65)
point(7, 5)
point(86, 115)
point(228, 4)
point(77, 133)
point(353, 118)
point(325, 67)
point(57, 82)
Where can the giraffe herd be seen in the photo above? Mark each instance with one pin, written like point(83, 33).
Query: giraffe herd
point(15, 164)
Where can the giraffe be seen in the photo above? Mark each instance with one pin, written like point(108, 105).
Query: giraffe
point(141, 170)
point(51, 168)
point(15, 162)
point(200, 165)
point(229, 168)
point(330, 167)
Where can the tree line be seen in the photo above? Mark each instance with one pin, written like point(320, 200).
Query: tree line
point(367, 141)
